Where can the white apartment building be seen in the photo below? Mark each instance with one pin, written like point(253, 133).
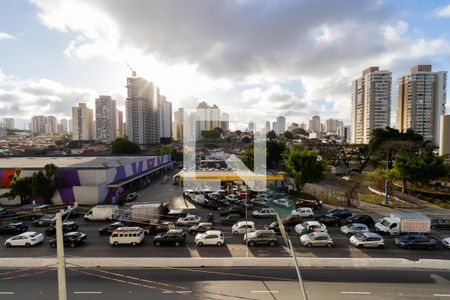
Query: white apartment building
point(120, 126)
point(421, 99)
point(279, 126)
point(165, 115)
point(51, 125)
point(314, 124)
point(82, 123)
point(63, 126)
point(105, 119)
point(371, 103)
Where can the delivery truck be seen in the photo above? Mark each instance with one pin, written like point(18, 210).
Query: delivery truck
point(146, 213)
point(102, 213)
point(402, 223)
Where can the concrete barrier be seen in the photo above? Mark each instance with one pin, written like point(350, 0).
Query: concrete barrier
point(178, 262)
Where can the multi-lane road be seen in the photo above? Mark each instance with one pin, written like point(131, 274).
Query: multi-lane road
point(236, 283)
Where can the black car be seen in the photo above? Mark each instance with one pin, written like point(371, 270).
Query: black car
point(44, 221)
point(416, 241)
point(175, 237)
point(261, 237)
point(314, 204)
point(72, 239)
point(13, 228)
point(329, 220)
point(440, 223)
point(201, 228)
point(211, 204)
point(275, 227)
point(340, 213)
point(238, 210)
point(66, 227)
point(231, 219)
point(108, 229)
point(363, 219)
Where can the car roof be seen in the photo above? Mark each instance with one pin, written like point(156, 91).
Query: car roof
point(265, 231)
point(320, 234)
point(372, 234)
point(218, 232)
point(204, 223)
point(248, 222)
point(175, 230)
point(358, 224)
point(28, 233)
point(312, 222)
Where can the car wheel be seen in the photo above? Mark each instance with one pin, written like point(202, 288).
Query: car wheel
point(309, 245)
point(72, 245)
point(8, 245)
point(251, 244)
point(235, 232)
point(433, 227)
point(272, 244)
point(360, 246)
point(177, 244)
point(380, 246)
point(53, 245)
point(133, 244)
point(27, 245)
point(157, 244)
point(199, 244)
point(219, 244)
point(116, 243)
point(329, 245)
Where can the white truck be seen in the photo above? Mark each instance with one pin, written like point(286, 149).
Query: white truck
point(145, 213)
point(399, 223)
point(102, 213)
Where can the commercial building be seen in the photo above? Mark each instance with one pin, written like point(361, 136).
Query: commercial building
point(105, 119)
point(165, 114)
point(87, 180)
point(444, 144)
point(314, 124)
point(82, 123)
point(421, 101)
point(371, 103)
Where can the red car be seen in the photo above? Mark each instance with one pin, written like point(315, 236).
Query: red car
point(293, 220)
point(314, 204)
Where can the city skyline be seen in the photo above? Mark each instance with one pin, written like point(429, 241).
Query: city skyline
point(284, 83)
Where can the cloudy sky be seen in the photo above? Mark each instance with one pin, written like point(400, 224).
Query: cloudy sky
point(261, 58)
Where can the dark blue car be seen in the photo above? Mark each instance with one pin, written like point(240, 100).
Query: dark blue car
point(341, 213)
point(415, 241)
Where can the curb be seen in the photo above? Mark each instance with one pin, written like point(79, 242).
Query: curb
point(176, 262)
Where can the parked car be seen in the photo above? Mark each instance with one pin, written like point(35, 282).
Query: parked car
point(233, 210)
point(261, 202)
point(305, 212)
point(329, 220)
point(415, 241)
point(201, 228)
point(317, 239)
point(127, 235)
point(175, 237)
point(261, 237)
point(310, 226)
point(446, 242)
point(440, 223)
point(243, 227)
point(131, 197)
point(189, 220)
point(214, 196)
point(282, 202)
point(224, 203)
point(212, 204)
point(231, 219)
point(314, 204)
point(66, 227)
point(13, 228)
point(363, 219)
point(354, 228)
point(210, 237)
point(367, 240)
point(108, 229)
point(158, 228)
point(244, 203)
point(265, 212)
point(46, 220)
point(275, 227)
point(232, 198)
point(340, 212)
point(27, 239)
point(292, 220)
point(72, 239)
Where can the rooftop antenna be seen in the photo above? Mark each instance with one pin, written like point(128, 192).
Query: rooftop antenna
point(133, 72)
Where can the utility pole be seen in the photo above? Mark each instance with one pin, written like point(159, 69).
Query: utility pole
point(246, 229)
point(62, 292)
point(386, 183)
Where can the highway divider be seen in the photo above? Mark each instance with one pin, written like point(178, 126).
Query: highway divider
point(198, 262)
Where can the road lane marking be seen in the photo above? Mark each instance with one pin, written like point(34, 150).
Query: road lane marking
point(357, 293)
point(82, 292)
point(7, 293)
point(441, 295)
point(272, 292)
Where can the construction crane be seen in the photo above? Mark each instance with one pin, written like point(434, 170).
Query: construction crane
point(133, 72)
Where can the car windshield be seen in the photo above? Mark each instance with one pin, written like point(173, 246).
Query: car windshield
point(360, 236)
point(385, 223)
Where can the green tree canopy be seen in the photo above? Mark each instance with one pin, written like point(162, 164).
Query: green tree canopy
point(303, 166)
point(123, 146)
point(165, 149)
point(271, 135)
point(288, 135)
point(299, 131)
point(419, 168)
point(274, 154)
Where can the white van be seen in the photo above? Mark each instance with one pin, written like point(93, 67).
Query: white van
point(102, 213)
point(243, 227)
point(127, 235)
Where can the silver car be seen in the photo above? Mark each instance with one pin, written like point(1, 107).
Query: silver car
point(317, 239)
point(367, 240)
point(354, 228)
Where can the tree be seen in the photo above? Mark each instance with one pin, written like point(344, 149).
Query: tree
point(288, 135)
point(271, 135)
point(123, 146)
point(274, 152)
point(165, 149)
point(299, 131)
point(303, 166)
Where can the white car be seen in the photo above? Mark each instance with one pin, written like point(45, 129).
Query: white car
point(26, 239)
point(282, 202)
point(303, 212)
point(311, 226)
point(243, 227)
point(232, 198)
point(367, 240)
point(266, 212)
point(210, 237)
point(189, 220)
point(316, 239)
point(261, 201)
point(354, 228)
point(446, 242)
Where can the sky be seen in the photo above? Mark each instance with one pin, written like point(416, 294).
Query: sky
point(255, 59)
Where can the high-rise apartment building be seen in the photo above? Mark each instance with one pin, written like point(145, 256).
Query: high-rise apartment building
point(142, 111)
point(371, 103)
point(225, 121)
point(421, 101)
point(64, 126)
point(178, 124)
point(251, 127)
point(120, 124)
point(280, 125)
point(38, 124)
point(314, 124)
point(444, 143)
point(267, 126)
point(51, 125)
point(165, 115)
point(82, 123)
point(105, 119)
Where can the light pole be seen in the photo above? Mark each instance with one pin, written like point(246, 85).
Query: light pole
point(246, 229)
point(62, 292)
point(386, 186)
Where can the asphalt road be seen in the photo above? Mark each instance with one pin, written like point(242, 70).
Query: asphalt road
point(237, 283)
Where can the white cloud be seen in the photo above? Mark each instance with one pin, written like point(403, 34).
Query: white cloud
point(6, 36)
point(443, 12)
